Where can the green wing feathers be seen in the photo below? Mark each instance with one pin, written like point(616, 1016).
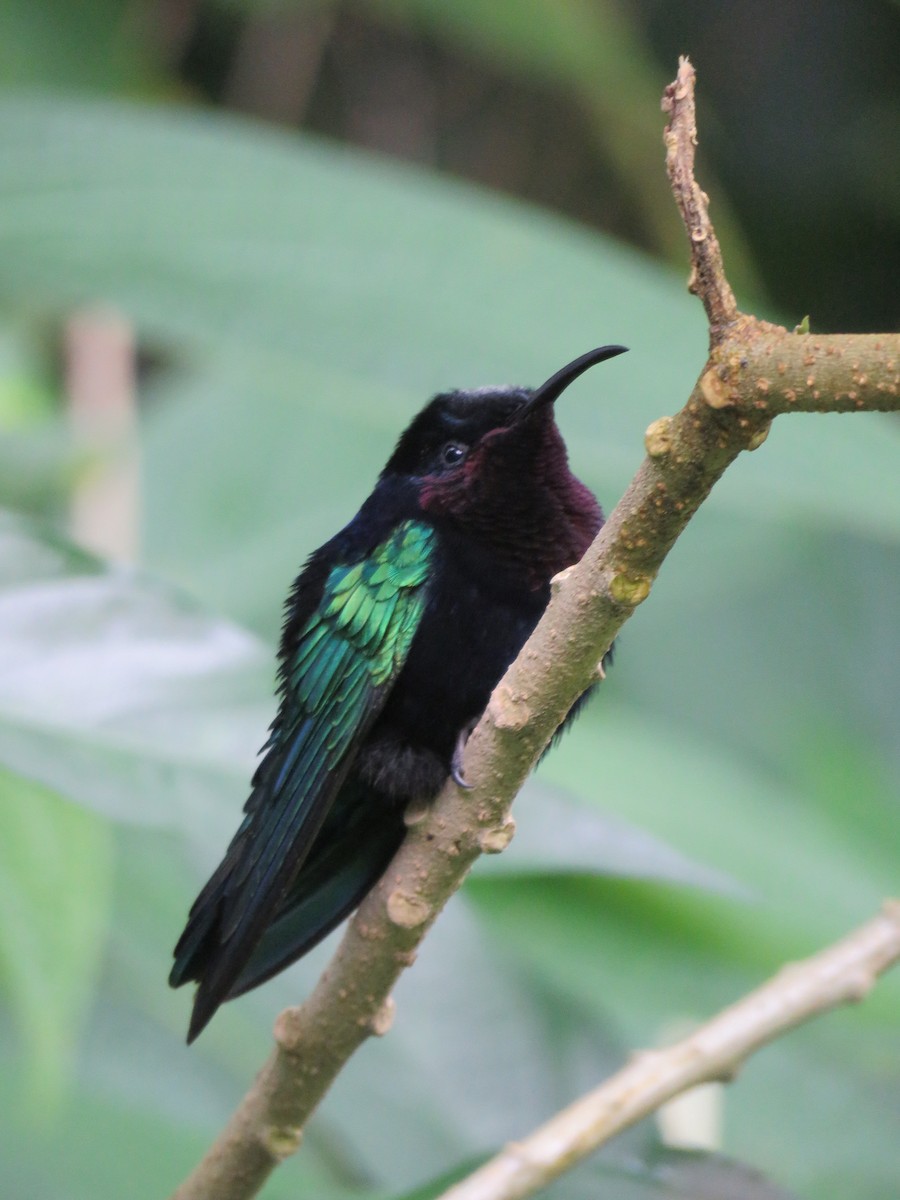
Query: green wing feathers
point(334, 683)
point(350, 649)
point(369, 608)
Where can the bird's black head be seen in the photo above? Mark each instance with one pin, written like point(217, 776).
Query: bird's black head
point(454, 424)
point(491, 462)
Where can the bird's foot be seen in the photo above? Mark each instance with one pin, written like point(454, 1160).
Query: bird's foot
point(456, 771)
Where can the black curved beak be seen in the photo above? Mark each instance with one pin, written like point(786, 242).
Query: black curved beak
point(557, 384)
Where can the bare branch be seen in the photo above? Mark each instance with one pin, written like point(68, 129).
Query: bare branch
point(842, 974)
point(707, 272)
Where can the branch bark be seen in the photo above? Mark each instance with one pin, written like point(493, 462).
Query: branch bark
point(842, 974)
point(755, 372)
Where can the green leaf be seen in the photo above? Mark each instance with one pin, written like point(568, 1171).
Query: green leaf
point(55, 896)
point(78, 44)
point(669, 1175)
point(722, 809)
point(127, 1126)
point(119, 692)
point(664, 1175)
point(557, 832)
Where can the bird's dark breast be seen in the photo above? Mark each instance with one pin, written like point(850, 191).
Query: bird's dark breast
point(476, 620)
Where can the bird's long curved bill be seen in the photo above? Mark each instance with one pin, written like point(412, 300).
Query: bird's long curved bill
point(557, 384)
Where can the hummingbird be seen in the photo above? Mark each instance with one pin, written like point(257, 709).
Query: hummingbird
point(395, 634)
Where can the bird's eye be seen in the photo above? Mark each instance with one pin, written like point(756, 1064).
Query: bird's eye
point(453, 453)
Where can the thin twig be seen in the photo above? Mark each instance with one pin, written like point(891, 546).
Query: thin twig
point(707, 271)
point(841, 974)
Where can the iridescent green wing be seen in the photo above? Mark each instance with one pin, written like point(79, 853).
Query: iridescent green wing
point(336, 679)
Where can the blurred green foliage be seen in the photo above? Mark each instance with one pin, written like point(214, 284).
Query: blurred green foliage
point(728, 802)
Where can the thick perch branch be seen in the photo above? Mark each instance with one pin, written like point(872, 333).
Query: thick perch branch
point(755, 372)
point(842, 974)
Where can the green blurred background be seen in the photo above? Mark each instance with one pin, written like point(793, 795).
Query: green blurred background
point(224, 177)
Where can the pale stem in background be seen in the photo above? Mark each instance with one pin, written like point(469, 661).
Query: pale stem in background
point(102, 405)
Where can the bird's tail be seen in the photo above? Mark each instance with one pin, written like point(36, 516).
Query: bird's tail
point(344, 866)
point(359, 838)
